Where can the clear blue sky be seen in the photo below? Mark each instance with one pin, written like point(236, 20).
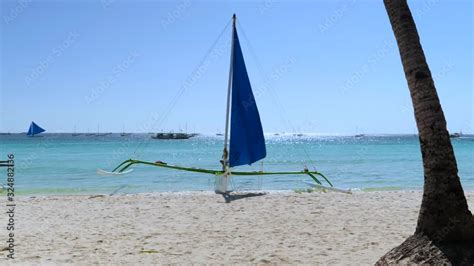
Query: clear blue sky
point(315, 66)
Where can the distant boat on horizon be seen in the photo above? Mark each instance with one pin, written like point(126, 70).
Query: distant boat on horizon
point(124, 134)
point(358, 135)
point(174, 135)
point(89, 133)
point(75, 134)
point(34, 130)
point(455, 135)
point(101, 134)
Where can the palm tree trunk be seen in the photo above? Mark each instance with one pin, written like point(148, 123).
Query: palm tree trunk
point(444, 215)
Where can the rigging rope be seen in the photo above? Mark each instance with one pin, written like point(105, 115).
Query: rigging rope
point(280, 108)
point(183, 88)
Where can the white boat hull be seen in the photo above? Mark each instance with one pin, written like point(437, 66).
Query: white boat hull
point(107, 173)
point(347, 191)
point(221, 184)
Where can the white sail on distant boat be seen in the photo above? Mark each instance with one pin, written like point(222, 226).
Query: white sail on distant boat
point(75, 134)
point(101, 134)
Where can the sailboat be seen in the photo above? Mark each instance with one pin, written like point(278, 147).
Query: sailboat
point(456, 135)
point(357, 135)
point(101, 134)
point(244, 142)
point(34, 130)
point(124, 134)
point(75, 134)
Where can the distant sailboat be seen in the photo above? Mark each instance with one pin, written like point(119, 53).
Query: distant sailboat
point(456, 135)
point(124, 134)
point(90, 134)
point(101, 134)
point(34, 130)
point(246, 143)
point(357, 135)
point(75, 134)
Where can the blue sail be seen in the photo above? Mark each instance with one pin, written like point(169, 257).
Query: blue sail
point(247, 144)
point(34, 129)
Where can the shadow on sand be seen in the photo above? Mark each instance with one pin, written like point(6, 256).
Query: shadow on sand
point(229, 197)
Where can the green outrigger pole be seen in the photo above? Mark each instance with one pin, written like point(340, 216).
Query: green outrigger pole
point(244, 141)
point(126, 164)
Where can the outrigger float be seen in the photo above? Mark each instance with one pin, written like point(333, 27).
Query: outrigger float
point(246, 143)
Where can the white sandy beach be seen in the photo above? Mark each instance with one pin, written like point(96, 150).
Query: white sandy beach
point(281, 228)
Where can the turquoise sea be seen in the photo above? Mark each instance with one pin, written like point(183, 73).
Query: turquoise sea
point(66, 164)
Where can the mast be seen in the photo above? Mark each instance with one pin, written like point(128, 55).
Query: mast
point(222, 181)
point(225, 156)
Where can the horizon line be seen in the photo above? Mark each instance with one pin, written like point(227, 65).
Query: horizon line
point(214, 133)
